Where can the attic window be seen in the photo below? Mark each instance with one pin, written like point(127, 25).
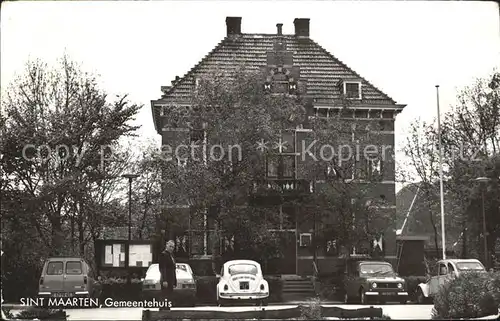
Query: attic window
point(352, 89)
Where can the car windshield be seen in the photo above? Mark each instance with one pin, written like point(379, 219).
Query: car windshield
point(469, 266)
point(181, 267)
point(153, 272)
point(242, 269)
point(376, 269)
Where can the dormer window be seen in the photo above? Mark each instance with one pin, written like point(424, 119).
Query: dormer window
point(352, 89)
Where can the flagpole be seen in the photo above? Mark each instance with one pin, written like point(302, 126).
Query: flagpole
point(441, 190)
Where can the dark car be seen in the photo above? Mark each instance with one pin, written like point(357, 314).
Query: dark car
point(364, 280)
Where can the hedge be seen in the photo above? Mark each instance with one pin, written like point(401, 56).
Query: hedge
point(119, 289)
point(40, 314)
point(412, 283)
point(471, 295)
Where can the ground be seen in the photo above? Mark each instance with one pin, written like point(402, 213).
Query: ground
point(395, 311)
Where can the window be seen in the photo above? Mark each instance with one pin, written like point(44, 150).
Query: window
point(305, 239)
point(470, 266)
point(181, 267)
point(331, 172)
point(442, 269)
point(55, 268)
point(197, 136)
point(451, 270)
point(73, 267)
point(288, 218)
point(273, 219)
point(281, 166)
point(242, 269)
point(272, 167)
point(288, 142)
point(202, 229)
point(369, 169)
point(352, 90)
point(374, 168)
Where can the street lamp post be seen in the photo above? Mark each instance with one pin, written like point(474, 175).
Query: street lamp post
point(127, 253)
point(484, 180)
point(441, 189)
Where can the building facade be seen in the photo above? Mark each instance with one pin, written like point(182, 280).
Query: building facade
point(289, 64)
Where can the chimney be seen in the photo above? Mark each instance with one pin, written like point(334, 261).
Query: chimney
point(301, 27)
point(233, 25)
point(280, 29)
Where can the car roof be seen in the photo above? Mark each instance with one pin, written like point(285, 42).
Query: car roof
point(241, 262)
point(156, 264)
point(65, 258)
point(459, 261)
point(373, 262)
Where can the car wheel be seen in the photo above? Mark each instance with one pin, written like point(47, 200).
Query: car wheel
point(420, 297)
point(362, 296)
point(219, 301)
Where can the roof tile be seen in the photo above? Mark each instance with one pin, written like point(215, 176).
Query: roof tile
point(318, 68)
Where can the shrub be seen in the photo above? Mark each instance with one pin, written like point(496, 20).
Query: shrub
point(206, 289)
point(275, 288)
point(118, 289)
point(471, 295)
point(41, 314)
point(311, 311)
point(411, 284)
point(7, 314)
point(330, 287)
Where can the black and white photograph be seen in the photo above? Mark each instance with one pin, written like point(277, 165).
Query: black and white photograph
point(236, 160)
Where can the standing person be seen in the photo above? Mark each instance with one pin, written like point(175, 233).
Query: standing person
point(167, 271)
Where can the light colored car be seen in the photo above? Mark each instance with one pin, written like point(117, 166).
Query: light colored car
point(184, 292)
point(365, 280)
point(242, 281)
point(446, 271)
point(67, 277)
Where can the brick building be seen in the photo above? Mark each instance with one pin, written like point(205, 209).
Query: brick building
point(327, 82)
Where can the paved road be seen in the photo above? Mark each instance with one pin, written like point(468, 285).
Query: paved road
point(395, 311)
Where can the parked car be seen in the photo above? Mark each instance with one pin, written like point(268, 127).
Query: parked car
point(365, 280)
point(67, 277)
point(242, 281)
point(184, 292)
point(446, 270)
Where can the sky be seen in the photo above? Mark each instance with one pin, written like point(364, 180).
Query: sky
point(405, 48)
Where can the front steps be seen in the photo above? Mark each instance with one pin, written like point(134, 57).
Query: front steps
point(297, 288)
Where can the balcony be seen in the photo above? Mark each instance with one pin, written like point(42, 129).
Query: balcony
point(286, 187)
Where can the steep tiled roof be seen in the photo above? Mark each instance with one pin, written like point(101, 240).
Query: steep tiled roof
point(318, 68)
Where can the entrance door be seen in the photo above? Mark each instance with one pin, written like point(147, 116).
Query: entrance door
point(289, 253)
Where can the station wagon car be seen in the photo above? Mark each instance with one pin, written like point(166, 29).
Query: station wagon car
point(365, 280)
point(184, 292)
point(67, 277)
point(446, 270)
point(242, 281)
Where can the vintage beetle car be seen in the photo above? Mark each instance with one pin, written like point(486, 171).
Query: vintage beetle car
point(445, 271)
point(242, 281)
point(373, 279)
point(184, 292)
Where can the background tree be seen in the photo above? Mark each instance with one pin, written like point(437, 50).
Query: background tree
point(56, 122)
point(470, 140)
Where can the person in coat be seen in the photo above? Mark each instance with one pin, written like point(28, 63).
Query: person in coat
point(167, 270)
